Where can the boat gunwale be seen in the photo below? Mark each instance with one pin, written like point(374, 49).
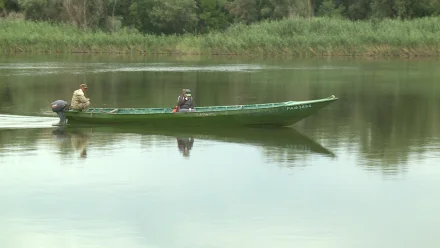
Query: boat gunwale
point(202, 109)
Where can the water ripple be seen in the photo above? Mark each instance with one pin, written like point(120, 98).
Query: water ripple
point(20, 121)
point(25, 69)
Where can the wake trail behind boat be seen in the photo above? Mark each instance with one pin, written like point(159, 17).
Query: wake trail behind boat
point(20, 121)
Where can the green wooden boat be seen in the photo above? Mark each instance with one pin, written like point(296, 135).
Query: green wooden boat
point(267, 114)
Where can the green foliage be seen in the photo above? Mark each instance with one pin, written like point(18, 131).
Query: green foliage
point(171, 17)
point(83, 13)
point(360, 10)
point(244, 11)
point(41, 9)
point(212, 15)
point(320, 36)
point(164, 16)
point(251, 11)
point(11, 5)
point(329, 9)
point(413, 9)
point(96, 13)
point(117, 14)
point(174, 16)
point(118, 7)
point(381, 9)
point(279, 9)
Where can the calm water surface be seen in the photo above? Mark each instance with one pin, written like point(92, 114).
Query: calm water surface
point(363, 172)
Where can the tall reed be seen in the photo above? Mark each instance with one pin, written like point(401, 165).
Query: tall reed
point(297, 37)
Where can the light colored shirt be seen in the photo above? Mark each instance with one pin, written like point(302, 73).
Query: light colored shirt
point(78, 99)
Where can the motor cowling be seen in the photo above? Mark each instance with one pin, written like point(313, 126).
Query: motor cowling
point(59, 105)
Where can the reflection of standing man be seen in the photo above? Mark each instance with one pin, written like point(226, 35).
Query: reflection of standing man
point(185, 145)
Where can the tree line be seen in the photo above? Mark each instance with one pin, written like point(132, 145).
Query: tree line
point(203, 16)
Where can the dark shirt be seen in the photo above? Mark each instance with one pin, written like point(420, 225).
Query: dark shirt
point(185, 102)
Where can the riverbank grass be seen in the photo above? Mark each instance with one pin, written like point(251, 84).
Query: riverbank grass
point(292, 37)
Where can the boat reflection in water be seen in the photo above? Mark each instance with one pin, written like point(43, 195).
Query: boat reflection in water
point(277, 143)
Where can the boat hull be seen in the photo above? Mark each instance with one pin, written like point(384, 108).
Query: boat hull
point(280, 114)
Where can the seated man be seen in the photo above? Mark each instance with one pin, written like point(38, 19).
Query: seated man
point(79, 101)
point(185, 101)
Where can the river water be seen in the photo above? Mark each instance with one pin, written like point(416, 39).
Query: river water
point(363, 172)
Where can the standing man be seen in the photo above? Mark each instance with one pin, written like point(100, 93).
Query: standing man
point(79, 101)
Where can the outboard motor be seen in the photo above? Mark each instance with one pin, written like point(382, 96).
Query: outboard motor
point(59, 107)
